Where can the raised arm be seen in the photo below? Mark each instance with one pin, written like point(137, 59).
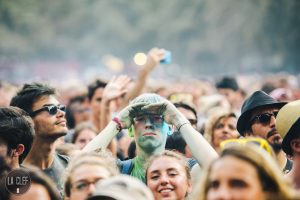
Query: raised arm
point(202, 151)
point(122, 121)
point(114, 89)
point(153, 58)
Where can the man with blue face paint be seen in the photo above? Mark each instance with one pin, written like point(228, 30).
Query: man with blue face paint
point(148, 118)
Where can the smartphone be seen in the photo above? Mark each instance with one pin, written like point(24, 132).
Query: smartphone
point(167, 58)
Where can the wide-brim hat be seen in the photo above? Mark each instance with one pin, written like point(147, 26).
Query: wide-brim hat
point(288, 124)
point(258, 99)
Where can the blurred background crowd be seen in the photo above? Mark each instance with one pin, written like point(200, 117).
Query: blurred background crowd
point(233, 66)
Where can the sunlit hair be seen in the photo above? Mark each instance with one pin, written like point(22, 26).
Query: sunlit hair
point(270, 176)
point(177, 156)
point(103, 159)
point(212, 121)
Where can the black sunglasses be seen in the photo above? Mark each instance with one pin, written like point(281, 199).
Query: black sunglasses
point(52, 110)
point(264, 118)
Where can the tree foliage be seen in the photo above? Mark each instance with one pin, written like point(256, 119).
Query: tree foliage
point(205, 37)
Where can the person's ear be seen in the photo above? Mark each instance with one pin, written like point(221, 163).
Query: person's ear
point(19, 150)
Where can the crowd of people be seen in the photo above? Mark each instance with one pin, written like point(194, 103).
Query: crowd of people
point(132, 139)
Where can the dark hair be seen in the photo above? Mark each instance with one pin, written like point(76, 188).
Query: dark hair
point(94, 86)
point(16, 127)
point(187, 107)
point(29, 94)
point(132, 150)
point(176, 142)
point(70, 110)
point(4, 170)
point(227, 83)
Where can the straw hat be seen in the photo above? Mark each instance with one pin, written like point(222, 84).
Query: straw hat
point(288, 124)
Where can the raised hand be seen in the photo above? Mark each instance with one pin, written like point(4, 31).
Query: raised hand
point(127, 114)
point(116, 87)
point(154, 56)
point(170, 113)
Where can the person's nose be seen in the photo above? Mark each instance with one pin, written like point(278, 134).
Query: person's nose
point(226, 130)
point(60, 113)
point(91, 188)
point(222, 193)
point(164, 179)
point(149, 123)
point(272, 121)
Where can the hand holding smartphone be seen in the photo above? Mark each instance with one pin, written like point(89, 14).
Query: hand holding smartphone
point(167, 58)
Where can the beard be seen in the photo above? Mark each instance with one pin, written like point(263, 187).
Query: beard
point(276, 147)
point(275, 142)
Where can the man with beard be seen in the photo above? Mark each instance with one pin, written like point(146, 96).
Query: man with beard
point(48, 115)
point(258, 119)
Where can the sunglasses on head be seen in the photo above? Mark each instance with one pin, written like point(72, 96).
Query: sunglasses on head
point(247, 141)
point(264, 118)
point(52, 110)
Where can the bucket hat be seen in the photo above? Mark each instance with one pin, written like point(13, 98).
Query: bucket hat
point(288, 124)
point(258, 99)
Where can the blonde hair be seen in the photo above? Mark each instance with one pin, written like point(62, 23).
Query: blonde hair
point(270, 176)
point(177, 156)
point(212, 121)
point(102, 158)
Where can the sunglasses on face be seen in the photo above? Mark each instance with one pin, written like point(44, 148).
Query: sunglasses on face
point(52, 110)
point(264, 118)
point(155, 119)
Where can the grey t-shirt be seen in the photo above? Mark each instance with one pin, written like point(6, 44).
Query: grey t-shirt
point(56, 171)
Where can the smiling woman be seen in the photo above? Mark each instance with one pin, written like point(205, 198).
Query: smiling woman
point(168, 176)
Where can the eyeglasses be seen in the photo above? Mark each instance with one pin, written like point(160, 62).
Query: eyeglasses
point(155, 119)
point(52, 110)
point(264, 118)
point(246, 141)
point(83, 185)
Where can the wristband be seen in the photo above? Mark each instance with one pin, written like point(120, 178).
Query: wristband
point(184, 123)
point(117, 121)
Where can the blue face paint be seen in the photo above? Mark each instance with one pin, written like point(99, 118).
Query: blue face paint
point(165, 129)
